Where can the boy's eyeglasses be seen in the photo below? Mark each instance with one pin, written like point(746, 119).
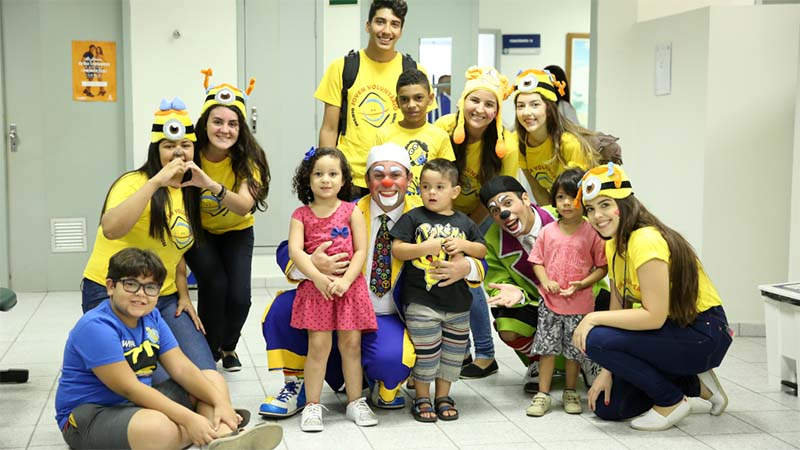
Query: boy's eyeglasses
point(132, 286)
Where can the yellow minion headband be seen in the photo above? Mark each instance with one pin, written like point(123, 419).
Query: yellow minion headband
point(226, 94)
point(540, 81)
point(609, 180)
point(172, 122)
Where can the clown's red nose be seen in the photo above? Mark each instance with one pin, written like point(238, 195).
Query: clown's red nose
point(386, 182)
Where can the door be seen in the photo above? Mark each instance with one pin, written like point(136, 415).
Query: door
point(283, 60)
point(69, 152)
point(456, 19)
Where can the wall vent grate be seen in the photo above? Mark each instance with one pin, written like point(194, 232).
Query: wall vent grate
point(68, 235)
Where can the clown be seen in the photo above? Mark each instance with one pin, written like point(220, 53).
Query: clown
point(387, 355)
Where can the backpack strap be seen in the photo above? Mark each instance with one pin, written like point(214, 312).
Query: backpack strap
point(408, 62)
point(352, 61)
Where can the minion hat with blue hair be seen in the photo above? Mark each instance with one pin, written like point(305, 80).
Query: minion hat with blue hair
point(226, 94)
point(609, 180)
point(541, 82)
point(172, 122)
point(490, 79)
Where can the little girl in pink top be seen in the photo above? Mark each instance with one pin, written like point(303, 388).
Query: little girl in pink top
point(568, 258)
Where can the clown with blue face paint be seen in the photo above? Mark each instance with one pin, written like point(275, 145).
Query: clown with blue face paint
point(387, 354)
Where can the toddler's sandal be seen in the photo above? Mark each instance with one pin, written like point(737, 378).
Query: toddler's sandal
point(419, 408)
point(445, 404)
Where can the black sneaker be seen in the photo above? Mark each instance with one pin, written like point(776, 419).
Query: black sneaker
point(472, 371)
point(231, 363)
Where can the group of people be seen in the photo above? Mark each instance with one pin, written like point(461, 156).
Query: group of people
point(407, 310)
point(405, 228)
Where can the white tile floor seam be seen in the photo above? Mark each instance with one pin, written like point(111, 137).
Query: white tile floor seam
point(760, 415)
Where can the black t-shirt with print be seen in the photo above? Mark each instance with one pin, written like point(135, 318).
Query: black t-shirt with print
point(418, 225)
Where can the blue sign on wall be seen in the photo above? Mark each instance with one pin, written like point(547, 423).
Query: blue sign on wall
point(522, 44)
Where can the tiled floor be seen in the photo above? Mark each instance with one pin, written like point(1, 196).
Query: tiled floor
point(759, 415)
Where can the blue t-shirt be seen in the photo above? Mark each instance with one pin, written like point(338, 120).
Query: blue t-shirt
point(100, 338)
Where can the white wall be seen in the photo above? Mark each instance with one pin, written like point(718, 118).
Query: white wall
point(653, 9)
point(163, 66)
point(712, 159)
point(749, 154)
point(552, 20)
point(342, 31)
point(794, 232)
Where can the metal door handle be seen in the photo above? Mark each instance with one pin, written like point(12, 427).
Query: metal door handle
point(254, 118)
point(13, 139)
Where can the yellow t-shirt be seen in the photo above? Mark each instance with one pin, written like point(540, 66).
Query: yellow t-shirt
point(468, 179)
point(175, 244)
point(645, 244)
point(372, 104)
point(216, 218)
point(535, 162)
point(423, 143)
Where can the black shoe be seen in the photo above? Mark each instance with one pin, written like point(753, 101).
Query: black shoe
point(472, 371)
point(467, 361)
point(245, 417)
point(231, 363)
point(531, 387)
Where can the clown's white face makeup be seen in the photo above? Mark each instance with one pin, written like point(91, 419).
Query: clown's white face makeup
point(480, 108)
point(222, 127)
point(512, 213)
point(387, 182)
point(169, 150)
point(603, 214)
point(532, 115)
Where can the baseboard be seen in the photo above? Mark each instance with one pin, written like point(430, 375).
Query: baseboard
point(749, 329)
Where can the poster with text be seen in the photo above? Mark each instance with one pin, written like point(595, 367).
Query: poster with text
point(94, 71)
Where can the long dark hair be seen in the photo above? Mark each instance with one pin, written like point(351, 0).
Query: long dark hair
point(683, 264)
point(557, 125)
point(160, 200)
point(490, 162)
point(244, 154)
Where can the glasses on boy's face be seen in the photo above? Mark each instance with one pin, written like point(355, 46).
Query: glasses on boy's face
point(132, 286)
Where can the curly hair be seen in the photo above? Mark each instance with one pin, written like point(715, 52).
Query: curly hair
point(301, 183)
point(246, 155)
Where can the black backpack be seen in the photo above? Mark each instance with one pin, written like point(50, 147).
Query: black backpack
point(349, 72)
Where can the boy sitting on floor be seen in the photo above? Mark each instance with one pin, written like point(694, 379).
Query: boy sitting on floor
point(105, 398)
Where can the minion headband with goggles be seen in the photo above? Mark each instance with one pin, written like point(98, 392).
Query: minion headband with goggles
point(539, 81)
point(226, 94)
point(609, 180)
point(172, 122)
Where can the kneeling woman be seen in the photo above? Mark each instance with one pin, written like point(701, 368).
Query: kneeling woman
point(147, 208)
point(659, 356)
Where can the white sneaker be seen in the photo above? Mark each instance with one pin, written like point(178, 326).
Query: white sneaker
point(289, 402)
point(312, 417)
point(359, 412)
point(719, 399)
